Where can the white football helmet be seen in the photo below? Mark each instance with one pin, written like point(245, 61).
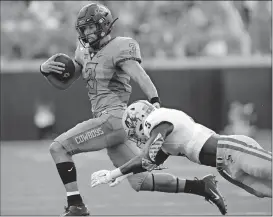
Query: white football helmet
point(134, 117)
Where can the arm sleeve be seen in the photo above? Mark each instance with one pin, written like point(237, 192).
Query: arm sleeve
point(153, 155)
point(135, 166)
point(128, 49)
point(153, 151)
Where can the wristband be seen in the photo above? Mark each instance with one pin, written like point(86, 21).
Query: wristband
point(44, 74)
point(155, 99)
point(115, 173)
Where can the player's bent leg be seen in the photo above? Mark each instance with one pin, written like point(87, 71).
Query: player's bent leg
point(257, 175)
point(163, 182)
point(67, 171)
point(260, 187)
point(59, 153)
point(243, 162)
point(260, 158)
point(168, 183)
point(160, 182)
point(124, 152)
point(245, 150)
point(90, 135)
point(68, 175)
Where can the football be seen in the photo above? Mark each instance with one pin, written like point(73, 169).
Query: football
point(69, 68)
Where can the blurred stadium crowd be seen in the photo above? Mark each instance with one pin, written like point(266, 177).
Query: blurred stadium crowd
point(168, 29)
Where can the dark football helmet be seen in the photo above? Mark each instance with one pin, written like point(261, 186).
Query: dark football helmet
point(94, 14)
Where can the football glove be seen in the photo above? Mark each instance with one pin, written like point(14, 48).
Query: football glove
point(101, 177)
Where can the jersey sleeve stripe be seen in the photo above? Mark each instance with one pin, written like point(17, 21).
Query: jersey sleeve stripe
point(246, 150)
point(129, 58)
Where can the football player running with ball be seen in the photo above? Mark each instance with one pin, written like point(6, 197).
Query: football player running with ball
point(106, 64)
point(169, 132)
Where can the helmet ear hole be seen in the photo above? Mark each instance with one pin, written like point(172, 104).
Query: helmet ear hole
point(140, 127)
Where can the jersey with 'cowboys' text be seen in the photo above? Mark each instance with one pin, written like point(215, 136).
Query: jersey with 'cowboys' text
point(187, 137)
point(107, 84)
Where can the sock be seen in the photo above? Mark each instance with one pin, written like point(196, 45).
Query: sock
point(194, 187)
point(75, 199)
point(163, 182)
point(68, 174)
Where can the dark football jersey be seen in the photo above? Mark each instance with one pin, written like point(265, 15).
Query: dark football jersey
point(108, 85)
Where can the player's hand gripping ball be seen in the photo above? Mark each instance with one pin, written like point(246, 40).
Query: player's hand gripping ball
point(69, 70)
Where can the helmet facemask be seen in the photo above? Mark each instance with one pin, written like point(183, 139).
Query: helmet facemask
point(84, 38)
point(98, 15)
point(134, 128)
point(133, 120)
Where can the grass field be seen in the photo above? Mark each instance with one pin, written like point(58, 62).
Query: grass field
point(30, 185)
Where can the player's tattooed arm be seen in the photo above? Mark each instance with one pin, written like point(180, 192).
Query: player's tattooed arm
point(152, 155)
point(138, 74)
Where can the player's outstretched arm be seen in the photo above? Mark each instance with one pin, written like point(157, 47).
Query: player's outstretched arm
point(150, 158)
point(50, 66)
point(152, 154)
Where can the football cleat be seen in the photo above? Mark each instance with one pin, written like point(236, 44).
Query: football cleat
point(212, 194)
point(76, 210)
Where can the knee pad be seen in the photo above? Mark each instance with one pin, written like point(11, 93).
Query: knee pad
point(56, 147)
point(163, 182)
point(136, 181)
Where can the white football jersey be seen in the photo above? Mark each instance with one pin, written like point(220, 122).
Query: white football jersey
point(187, 137)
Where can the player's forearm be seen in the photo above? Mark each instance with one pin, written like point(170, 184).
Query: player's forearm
point(52, 79)
point(133, 166)
point(59, 84)
point(116, 173)
point(147, 86)
point(138, 74)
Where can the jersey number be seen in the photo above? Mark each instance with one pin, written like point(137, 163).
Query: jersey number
point(92, 82)
point(147, 124)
